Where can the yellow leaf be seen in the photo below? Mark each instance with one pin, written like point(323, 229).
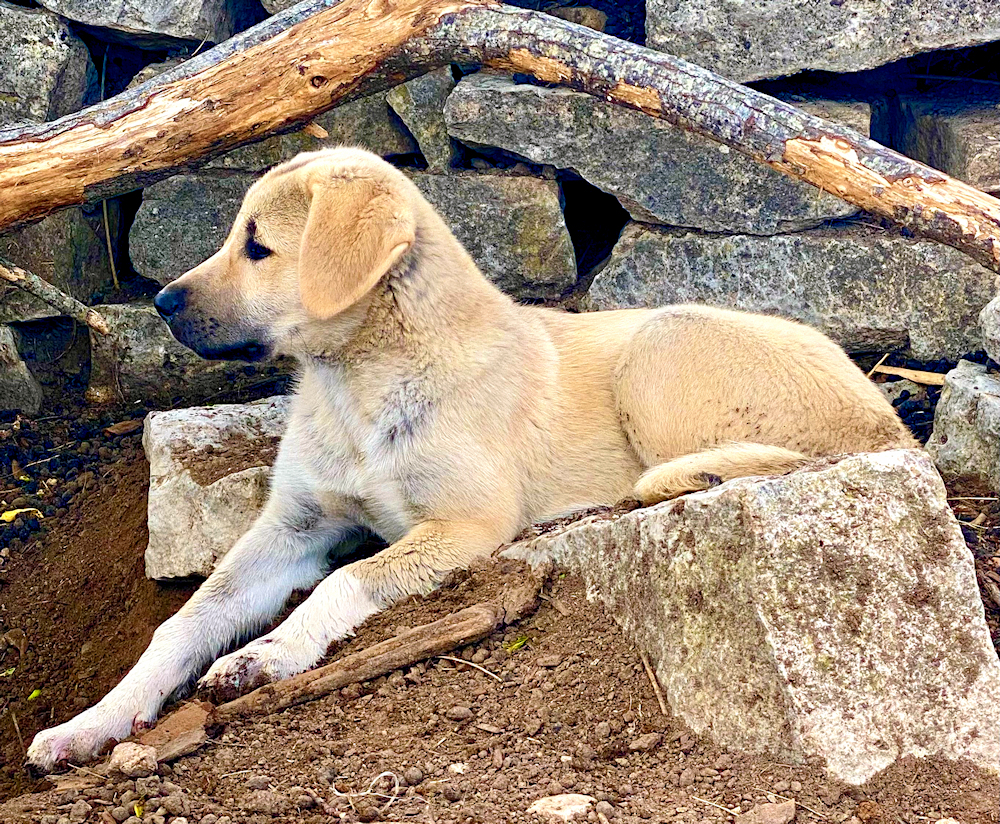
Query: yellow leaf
point(34, 695)
point(137, 809)
point(9, 516)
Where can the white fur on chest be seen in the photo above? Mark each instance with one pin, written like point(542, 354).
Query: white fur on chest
point(358, 452)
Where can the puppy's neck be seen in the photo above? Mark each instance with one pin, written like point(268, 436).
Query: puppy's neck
point(432, 304)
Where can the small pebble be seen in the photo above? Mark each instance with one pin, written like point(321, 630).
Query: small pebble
point(459, 713)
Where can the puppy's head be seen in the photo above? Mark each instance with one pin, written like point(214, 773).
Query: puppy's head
point(312, 238)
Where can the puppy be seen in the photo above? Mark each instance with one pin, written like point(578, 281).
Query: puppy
point(435, 412)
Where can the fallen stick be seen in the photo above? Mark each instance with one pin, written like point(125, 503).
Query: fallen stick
point(418, 644)
point(56, 298)
point(318, 53)
point(915, 375)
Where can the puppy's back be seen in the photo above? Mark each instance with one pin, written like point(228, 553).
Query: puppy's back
point(694, 376)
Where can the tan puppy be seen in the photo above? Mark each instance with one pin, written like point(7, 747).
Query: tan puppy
point(438, 414)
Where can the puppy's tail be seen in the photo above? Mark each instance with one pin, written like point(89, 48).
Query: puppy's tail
point(701, 470)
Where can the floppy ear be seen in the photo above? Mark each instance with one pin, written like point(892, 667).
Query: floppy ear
point(357, 229)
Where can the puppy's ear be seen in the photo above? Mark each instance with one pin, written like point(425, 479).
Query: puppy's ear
point(357, 229)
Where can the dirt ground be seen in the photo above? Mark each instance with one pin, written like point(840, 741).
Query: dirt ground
point(564, 706)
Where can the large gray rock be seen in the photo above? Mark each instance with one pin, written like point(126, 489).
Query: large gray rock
point(141, 361)
point(69, 250)
point(208, 480)
point(966, 439)
point(989, 322)
point(750, 41)
point(18, 387)
point(831, 612)
point(866, 288)
point(182, 221)
point(957, 133)
point(512, 226)
point(43, 66)
point(660, 173)
point(162, 23)
point(420, 105)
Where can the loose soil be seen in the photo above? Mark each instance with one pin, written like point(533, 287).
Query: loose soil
point(573, 709)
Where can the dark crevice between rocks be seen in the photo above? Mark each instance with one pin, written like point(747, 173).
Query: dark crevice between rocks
point(940, 72)
point(594, 220)
point(57, 352)
point(626, 18)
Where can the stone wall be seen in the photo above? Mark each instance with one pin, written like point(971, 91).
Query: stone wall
point(561, 198)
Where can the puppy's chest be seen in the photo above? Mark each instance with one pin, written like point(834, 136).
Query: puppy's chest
point(363, 452)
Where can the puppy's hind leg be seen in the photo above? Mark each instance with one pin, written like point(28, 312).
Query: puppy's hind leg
point(701, 470)
point(412, 566)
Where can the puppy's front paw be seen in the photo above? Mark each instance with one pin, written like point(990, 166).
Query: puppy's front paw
point(260, 662)
point(81, 738)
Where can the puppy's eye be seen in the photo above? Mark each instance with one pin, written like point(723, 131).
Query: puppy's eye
point(256, 251)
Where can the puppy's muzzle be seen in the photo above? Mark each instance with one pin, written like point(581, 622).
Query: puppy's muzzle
point(170, 302)
point(206, 335)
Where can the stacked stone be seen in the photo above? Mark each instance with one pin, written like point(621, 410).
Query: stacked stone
point(501, 160)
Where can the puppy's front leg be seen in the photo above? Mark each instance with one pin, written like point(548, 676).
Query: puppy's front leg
point(414, 565)
point(248, 588)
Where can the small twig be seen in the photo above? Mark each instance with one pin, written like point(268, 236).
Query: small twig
point(86, 771)
point(713, 804)
point(474, 666)
point(56, 298)
point(656, 684)
point(17, 729)
point(915, 375)
point(238, 772)
point(877, 365)
point(974, 499)
point(351, 796)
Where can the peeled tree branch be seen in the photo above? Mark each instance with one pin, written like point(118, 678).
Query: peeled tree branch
point(304, 61)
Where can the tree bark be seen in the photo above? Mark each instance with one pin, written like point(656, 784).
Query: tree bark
point(320, 53)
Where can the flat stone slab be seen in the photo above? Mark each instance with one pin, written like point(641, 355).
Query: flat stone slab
point(751, 41)
point(513, 227)
point(160, 24)
point(831, 612)
point(43, 66)
point(957, 133)
point(868, 289)
point(208, 480)
point(660, 173)
point(966, 439)
point(183, 220)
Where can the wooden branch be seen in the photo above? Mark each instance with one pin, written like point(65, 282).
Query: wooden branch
point(67, 305)
point(915, 375)
point(408, 648)
point(319, 53)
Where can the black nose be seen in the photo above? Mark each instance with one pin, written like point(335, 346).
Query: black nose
point(169, 301)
